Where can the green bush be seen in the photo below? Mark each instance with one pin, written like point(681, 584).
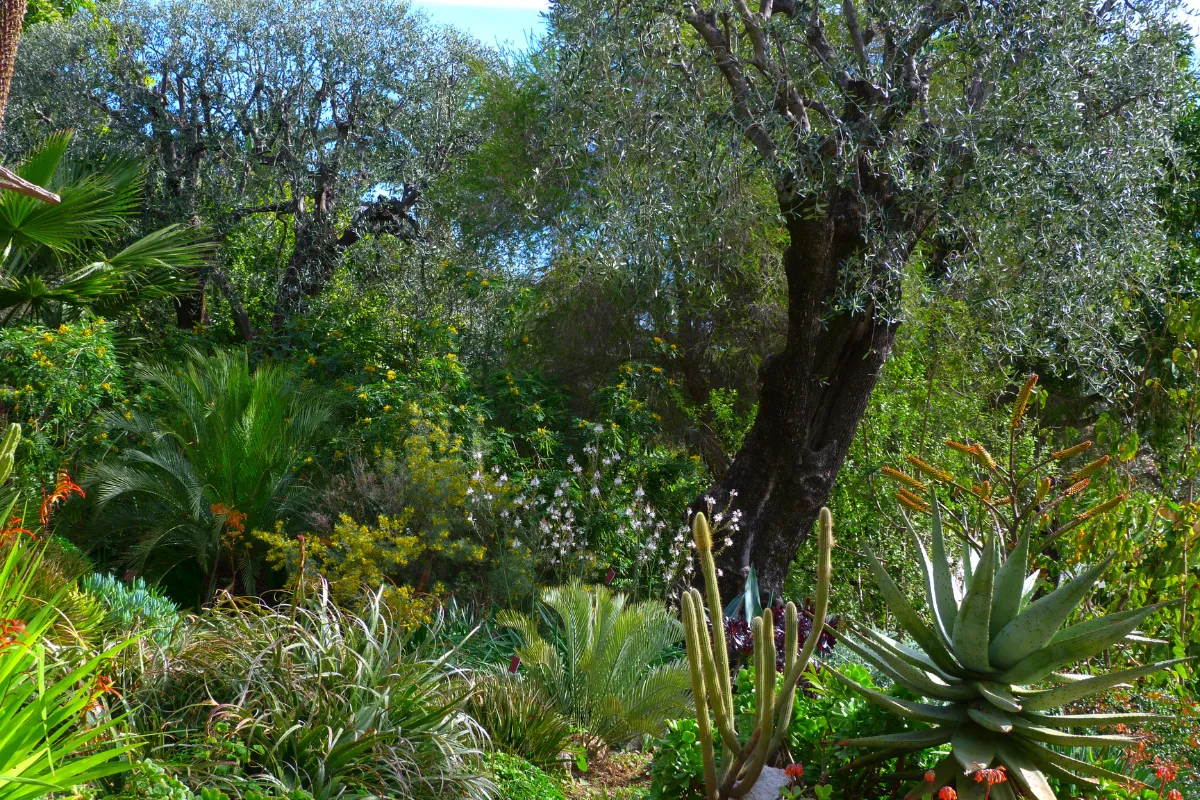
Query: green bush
point(520, 721)
point(517, 779)
point(677, 772)
point(602, 663)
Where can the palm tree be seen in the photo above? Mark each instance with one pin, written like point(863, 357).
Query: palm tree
point(54, 264)
point(219, 461)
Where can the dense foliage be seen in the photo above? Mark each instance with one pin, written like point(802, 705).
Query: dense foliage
point(364, 382)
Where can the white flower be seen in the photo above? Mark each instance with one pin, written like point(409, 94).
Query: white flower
point(595, 490)
point(617, 481)
point(728, 541)
point(732, 493)
point(720, 572)
point(599, 428)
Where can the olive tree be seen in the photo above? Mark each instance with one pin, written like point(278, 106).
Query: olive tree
point(331, 116)
point(1001, 152)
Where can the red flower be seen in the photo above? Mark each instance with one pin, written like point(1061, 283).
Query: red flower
point(794, 771)
point(930, 776)
point(1165, 770)
point(64, 487)
point(947, 793)
point(1174, 794)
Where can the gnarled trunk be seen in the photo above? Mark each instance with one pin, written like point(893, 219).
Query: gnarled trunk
point(812, 395)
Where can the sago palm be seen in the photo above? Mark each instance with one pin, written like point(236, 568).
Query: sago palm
point(602, 662)
point(57, 258)
point(220, 461)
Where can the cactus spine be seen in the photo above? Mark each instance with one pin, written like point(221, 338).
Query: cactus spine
point(739, 766)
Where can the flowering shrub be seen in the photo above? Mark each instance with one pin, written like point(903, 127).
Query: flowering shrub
point(54, 381)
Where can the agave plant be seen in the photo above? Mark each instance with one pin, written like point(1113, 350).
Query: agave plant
point(991, 659)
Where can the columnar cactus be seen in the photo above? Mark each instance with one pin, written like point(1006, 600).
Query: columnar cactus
point(739, 765)
point(990, 660)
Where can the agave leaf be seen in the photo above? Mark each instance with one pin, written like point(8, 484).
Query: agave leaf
point(1095, 639)
point(943, 581)
point(928, 737)
point(1010, 586)
point(751, 598)
point(998, 695)
point(970, 789)
point(971, 627)
point(922, 712)
point(1057, 737)
point(1097, 622)
point(969, 559)
point(913, 679)
point(1003, 791)
point(991, 718)
point(1034, 627)
point(931, 593)
point(1062, 774)
point(909, 619)
point(1023, 771)
point(884, 755)
point(1040, 755)
point(973, 747)
point(1068, 693)
point(1031, 583)
point(887, 645)
point(1091, 720)
point(945, 773)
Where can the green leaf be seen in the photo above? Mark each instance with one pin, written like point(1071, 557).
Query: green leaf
point(1077, 690)
point(922, 712)
point(916, 680)
point(1092, 640)
point(1057, 737)
point(908, 618)
point(1043, 755)
point(1010, 586)
point(971, 635)
point(1024, 772)
point(973, 747)
point(1034, 627)
point(1091, 720)
point(990, 717)
point(930, 737)
point(998, 695)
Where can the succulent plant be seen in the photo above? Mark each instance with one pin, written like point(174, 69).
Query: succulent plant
point(990, 660)
point(734, 771)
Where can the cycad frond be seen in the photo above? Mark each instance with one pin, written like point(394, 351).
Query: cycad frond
point(597, 663)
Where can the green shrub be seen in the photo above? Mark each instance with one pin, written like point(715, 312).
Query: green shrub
point(677, 772)
point(335, 703)
point(220, 460)
point(517, 779)
point(601, 665)
point(520, 721)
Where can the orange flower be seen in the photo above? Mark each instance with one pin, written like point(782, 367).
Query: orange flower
point(12, 529)
point(947, 793)
point(1174, 794)
point(10, 631)
point(64, 487)
point(794, 771)
point(930, 776)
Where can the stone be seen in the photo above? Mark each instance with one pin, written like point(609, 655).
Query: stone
point(768, 785)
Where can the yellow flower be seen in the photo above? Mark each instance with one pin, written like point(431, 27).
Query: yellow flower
point(391, 374)
point(658, 340)
point(369, 367)
point(312, 362)
point(106, 386)
point(101, 351)
point(483, 282)
point(387, 408)
point(308, 460)
point(525, 339)
point(451, 357)
point(362, 395)
point(656, 370)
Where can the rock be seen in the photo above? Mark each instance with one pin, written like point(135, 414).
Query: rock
point(768, 785)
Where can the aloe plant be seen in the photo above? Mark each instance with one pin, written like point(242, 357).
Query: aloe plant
point(987, 657)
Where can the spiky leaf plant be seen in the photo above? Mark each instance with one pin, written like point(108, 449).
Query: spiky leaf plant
point(990, 660)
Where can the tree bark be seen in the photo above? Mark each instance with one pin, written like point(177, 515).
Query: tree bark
point(12, 17)
point(191, 309)
point(812, 396)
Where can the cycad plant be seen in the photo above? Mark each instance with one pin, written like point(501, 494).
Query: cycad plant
point(604, 661)
point(220, 460)
point(57, 258)
point(988, 657)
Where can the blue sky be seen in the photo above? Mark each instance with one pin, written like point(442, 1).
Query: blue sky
point(493, 21)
